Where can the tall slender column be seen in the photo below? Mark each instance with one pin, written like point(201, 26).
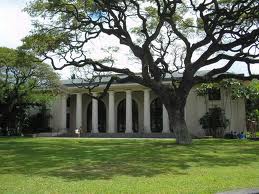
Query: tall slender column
point(128, 112)
point(78, 110)
point(147, 128)
point(166, 128)
point(94, 115)
point(63, 115)
point(111, 128)
point(185, 109)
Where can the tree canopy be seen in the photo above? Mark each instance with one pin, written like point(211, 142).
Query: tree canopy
point(24, 81)
point(164, 37)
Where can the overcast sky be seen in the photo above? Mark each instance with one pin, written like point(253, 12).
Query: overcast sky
point(15, 24)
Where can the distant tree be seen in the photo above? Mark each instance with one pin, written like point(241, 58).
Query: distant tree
point(164, 36)
point(252, 105)
point(24, 81)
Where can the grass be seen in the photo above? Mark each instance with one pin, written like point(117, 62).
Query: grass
point(59, 165)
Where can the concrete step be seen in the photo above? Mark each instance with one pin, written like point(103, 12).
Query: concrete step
point(122, 135)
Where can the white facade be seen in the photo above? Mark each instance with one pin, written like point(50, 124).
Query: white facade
point(127, 108)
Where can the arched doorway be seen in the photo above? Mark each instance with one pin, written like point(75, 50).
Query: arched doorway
point(121, 116)
point(156, 116)
point(101, 117)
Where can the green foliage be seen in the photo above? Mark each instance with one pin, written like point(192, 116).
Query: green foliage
point(253, 114)
point(25, 78)
point(237, 88)
point(253, 90)
point(24, 81)
point(214, 122)
point(203, 89)
point(43, 42)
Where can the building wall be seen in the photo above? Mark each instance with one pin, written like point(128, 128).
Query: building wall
point(57, 113)
point(196, 107)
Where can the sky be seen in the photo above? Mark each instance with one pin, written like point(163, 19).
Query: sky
point(16, 24)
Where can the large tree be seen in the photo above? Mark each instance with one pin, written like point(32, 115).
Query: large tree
point(24, 81)
point(165, 36)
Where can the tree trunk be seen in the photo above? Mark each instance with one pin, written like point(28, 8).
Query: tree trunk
point(177, 120)
point(179, 127)
point(174, 101)
point(11, 122)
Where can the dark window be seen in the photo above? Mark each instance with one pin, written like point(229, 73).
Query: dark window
point(156, 116)
point(68, 101)
point(214, 94)
point(121, 119)
point(68, 121)
point(121, 116)
point(101, 117)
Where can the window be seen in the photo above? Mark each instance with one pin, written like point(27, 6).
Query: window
point(156, 116)
point(101, 117)
point(121, 119)
point(214, 94)
point(68, 102)
point(68, 121)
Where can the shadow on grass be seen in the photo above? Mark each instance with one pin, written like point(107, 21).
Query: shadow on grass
point(95, 159)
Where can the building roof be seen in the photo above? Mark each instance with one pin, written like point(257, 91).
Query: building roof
point(105, 79)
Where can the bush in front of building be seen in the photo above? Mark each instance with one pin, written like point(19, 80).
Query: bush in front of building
point(214, 122)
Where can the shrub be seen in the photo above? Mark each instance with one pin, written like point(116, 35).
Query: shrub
point(214, 122)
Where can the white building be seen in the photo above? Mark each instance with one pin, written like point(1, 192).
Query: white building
point(132, 108)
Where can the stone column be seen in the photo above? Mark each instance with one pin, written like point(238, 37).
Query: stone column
point(147, 128)
point(94, 114)
point(166, 128)
point(78, 110)
point(63, 112)
point(111, 128)
point(128, 112)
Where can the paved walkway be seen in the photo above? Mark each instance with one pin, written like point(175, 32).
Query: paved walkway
point(242, 191)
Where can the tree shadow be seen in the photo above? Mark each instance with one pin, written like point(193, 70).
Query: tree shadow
point(91, 159)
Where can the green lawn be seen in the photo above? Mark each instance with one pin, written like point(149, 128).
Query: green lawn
point(51, 165)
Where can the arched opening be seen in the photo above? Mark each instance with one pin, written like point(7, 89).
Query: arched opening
point(121, 116)
point(101, 117)
point(156, 116)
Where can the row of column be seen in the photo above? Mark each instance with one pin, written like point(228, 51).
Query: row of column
point(111, 124)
